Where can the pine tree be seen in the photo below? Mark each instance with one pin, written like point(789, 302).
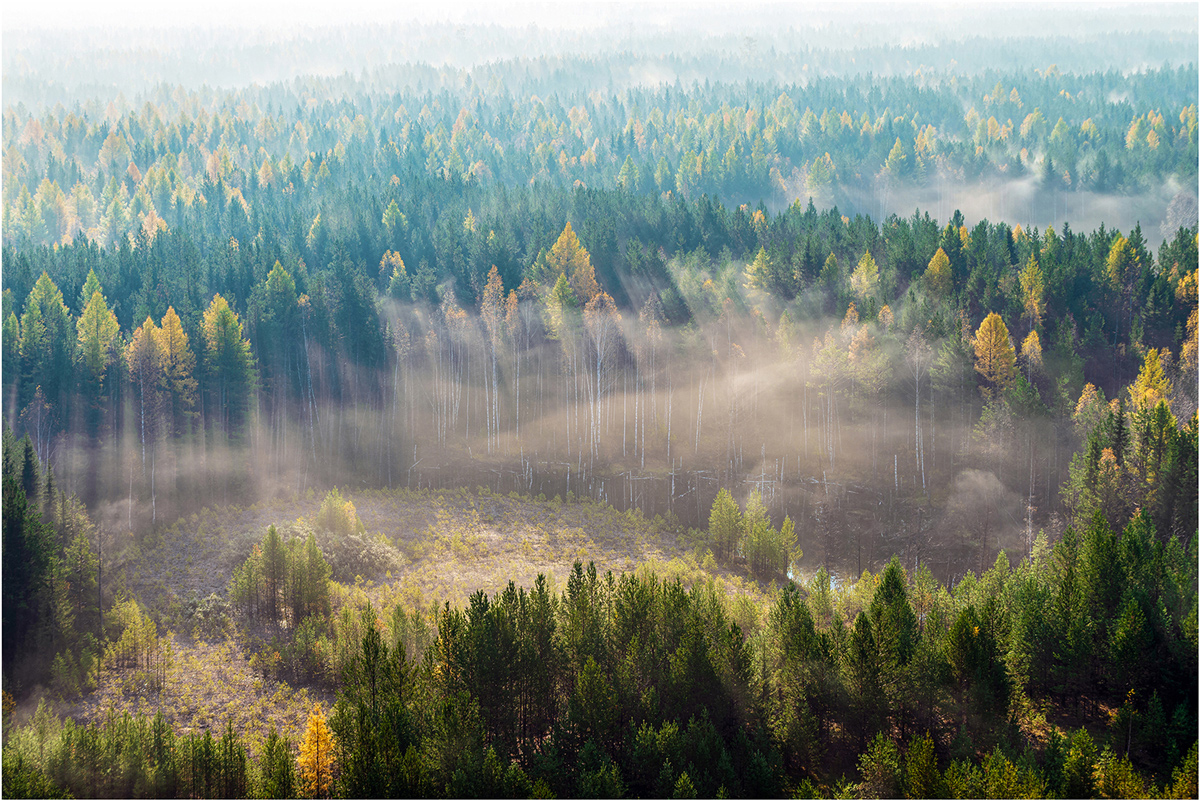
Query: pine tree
point(48, 340)
point(274, 563)
point(758, 536)
point(30, 565)
point(278, 768)
point(371, 719)
point(921, 777)
point(724, 525)
point(230, 365)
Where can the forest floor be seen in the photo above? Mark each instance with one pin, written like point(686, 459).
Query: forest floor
point(209, 684)
point(442, 546)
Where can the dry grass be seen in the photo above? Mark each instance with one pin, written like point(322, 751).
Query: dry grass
point(196, 556)
point(452, 542)
point(459, 542)
point(208, 685)
point(449, 543)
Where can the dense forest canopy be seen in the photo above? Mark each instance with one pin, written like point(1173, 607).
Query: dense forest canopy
point(889, 325)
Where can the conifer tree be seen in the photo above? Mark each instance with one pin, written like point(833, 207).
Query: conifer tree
point(230, 366)
point(178, 366)
point(277, 768)
point(48, 340)
point(98, 335)
point(724, 525)
point(568, 257)
point(317, 759)
point(939, 278)
point(865, 278)
point(995, 358)
point(1152, 384)
point(1033, 285)
point(145, 359)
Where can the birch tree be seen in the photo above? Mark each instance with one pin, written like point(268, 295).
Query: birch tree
point(604, 326)
point(492, 310)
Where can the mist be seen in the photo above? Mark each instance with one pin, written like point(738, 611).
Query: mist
point(1028, 203)
point(55, 55)
point(651, 417)
point(867, 450)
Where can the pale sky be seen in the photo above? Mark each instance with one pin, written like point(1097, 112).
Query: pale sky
point(257, 13)
point(18, 14)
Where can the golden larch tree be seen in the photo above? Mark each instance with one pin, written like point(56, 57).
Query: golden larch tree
point(1152, 384)
point(317, 758)
point(1090, 411)
point(178, 366)
point(568, 257)
point(939, 278)
point(886, 318)
point(98, 335)
point(758, 272)
point(1031, 354)
point(145, 359)
point(1033, 287)
point(995, 358)
point(1187, 355)
point(865, 278)
point(850, 322)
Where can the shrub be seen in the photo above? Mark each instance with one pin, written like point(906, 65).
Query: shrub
point(359, 555)
point(338, 516)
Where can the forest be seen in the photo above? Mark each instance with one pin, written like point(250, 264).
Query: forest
point(519, 425)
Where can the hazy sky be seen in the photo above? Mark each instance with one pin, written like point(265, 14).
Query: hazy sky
point(238, 13)
point(256, 13)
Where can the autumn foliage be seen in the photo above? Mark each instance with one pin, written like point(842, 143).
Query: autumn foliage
point(317, 758)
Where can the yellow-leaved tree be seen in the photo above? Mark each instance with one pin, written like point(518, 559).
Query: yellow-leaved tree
point(1152, 384)
point(865, 278)
point(1033, 287)
point(995, 358)
point(1031, 354)
point(316, 756)
point(145, 359)
point(758, 272)
point(178, 365)
point(939, 277)
point(230, 364)
point(98, 335)
point(338, 515)
point(568, 257)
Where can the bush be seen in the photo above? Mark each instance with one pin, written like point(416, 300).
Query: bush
point(210, 616)
point(359, 555)
point(338, 516)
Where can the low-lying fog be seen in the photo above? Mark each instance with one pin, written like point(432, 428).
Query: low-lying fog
point(1029, 204)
